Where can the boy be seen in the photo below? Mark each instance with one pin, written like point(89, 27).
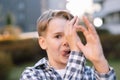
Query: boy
point(66, 54)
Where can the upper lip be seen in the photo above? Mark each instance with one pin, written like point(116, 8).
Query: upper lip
point(67, 50)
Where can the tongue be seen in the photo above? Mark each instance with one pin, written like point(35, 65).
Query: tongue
point(66, 53)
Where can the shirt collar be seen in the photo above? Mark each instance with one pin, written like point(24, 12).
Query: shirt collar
point(42, 64)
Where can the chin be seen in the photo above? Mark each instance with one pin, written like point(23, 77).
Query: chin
point(65, 61)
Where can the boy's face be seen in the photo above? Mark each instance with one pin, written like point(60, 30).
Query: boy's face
point(55, 43)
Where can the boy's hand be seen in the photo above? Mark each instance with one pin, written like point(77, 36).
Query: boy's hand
point(71, 34)
point(92, 49)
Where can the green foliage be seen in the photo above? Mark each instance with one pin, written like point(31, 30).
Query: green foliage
point(116, 65)
point(111, 45)
point(23, 50)
point(18, 52)
point(102, 31)
point(5, 64)
point(9, 19)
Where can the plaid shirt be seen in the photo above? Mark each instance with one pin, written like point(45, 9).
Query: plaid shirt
point(75, 70)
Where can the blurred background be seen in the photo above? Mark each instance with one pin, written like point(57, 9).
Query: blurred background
point(18, 37)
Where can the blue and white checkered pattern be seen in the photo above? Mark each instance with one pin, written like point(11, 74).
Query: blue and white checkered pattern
point(75, 70)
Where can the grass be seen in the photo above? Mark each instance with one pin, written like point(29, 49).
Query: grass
point(116, 65)
point(16, 71)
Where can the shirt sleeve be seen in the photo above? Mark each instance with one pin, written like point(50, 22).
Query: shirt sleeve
point(29, 74)
point(75, 66)
point(108, 76)
point(76, 69)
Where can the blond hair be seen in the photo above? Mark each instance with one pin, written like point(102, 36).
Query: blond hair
point(44, 19)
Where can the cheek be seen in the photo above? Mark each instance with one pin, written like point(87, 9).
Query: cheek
point(55, 45)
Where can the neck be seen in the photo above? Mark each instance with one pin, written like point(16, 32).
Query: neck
point(56, 65)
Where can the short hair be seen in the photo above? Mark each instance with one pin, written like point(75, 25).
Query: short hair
point(44, 19)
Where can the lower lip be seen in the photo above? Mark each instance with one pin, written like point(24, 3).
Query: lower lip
point(65, 54)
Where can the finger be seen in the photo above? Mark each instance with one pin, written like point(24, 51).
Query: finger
point(80, 46)
point(72, 22)
point(77, 22)
point(71, 25)
point(66, 28)
point(81, 28)
point(89, 26)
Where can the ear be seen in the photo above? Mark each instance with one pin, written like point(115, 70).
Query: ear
point(42, 42)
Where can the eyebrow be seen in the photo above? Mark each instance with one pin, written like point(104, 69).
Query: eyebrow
point(58, 33)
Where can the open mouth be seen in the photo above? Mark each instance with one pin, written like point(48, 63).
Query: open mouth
point(66, 53)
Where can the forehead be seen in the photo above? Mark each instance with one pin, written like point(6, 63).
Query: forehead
point(57, 22)
point(56, 25)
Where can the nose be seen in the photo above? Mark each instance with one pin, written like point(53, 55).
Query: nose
point(65, 43)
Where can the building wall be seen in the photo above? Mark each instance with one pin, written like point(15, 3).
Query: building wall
point(25, 12)
point(57, 4)
point(33, 12)
point(53, 4)
point(110, 13)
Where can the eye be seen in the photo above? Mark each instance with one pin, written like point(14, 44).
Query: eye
point(58, 36)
